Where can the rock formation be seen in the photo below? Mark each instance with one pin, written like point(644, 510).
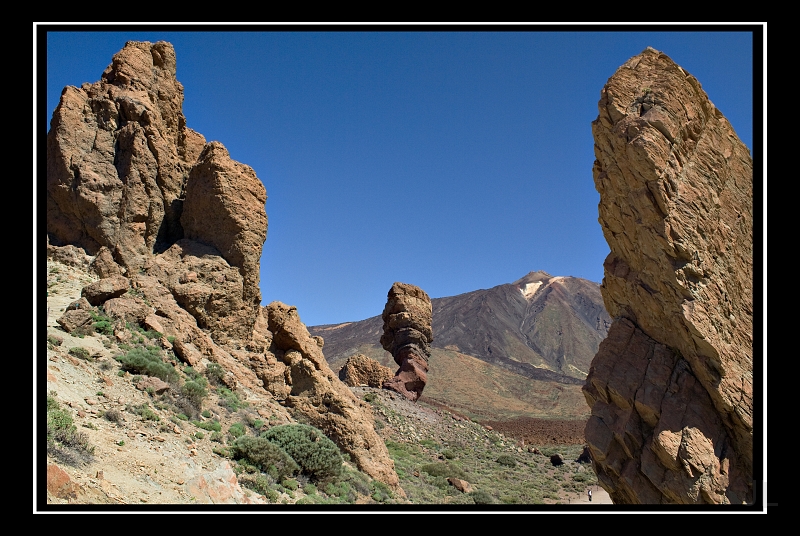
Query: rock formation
point(361, 370)
point(407, 335)
point(174, 229)
point(318, 394)
point(671, 387)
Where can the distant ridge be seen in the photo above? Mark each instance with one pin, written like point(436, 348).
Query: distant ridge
point(541, 326)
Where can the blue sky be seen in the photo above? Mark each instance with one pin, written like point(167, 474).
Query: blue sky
point(453, 160)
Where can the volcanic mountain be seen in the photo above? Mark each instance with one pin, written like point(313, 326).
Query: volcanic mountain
point(536, 333)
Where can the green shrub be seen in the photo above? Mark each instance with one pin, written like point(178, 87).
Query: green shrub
point(102, 323)
point(144, 411)
point(148, 361)
point(54, 341)
point(236, 430)
point(213, 426)
point(199, 435)
point(206, 414)
point(309, 488)
point(81, 353)
point(481, 497)
point(370, 397)
point(290, 483)
point(443, 469)
point(215, 373)
point(194, 392)
point(229, 399)
point(505, 459)
point(314, 452)
point(265, 455)
point(63, 434)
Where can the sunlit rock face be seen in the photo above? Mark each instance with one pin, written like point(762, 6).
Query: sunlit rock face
point(671, 387)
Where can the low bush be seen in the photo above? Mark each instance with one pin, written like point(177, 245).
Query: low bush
point(79, 352)
point(236, 430)
point(443, 469)
point(314, 452)
point(195, 392)
point(229, 399)
point(63, 439)
point(147, 360)
point(213, 426)
point(265, 455)
point(215, 373)
point(505, 459)
point(144, 411)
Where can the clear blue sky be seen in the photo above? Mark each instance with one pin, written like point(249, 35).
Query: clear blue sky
point(450, 160)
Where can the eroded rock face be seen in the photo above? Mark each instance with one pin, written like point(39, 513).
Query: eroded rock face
point(407, 334)
point(329, 405)
point(671, 387)
point(126, 180)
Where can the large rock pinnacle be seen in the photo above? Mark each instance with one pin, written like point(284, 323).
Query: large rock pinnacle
point(671, 387)
point(407, 334)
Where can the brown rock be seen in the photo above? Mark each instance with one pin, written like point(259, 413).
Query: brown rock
point(105, 289)
point(361, 370)
point(60, 484)
point(224, 208)
point(127, 309)
point(407, 334)
point(151, 382)
point(461, 485)
point(671, 386)
point(74, 319)
point(328, 404)
point(104, 264)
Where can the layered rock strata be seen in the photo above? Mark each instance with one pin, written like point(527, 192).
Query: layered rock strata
point(671, 387)
point(407, 334)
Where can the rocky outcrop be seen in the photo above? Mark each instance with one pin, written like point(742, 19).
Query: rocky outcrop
point(671, 387)
point(326, 402)
point(360, 370)
point(174, 230)
point(407, 334)
point(127, 179)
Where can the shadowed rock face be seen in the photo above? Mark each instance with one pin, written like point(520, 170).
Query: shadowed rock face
point(407, 335)
point(671, 387)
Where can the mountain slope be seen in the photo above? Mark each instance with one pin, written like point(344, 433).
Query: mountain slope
point(540, 326)
point(503, 347)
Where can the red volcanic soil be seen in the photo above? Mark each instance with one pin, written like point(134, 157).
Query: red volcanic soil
point(541, 431)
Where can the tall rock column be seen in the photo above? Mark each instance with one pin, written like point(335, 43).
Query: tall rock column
point(407, 334)
point(671, 387)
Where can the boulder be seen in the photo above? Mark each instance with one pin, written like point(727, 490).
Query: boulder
point(407, 334)
point(461, 485)
point(360, 370)
point(671, 387)
point(110, 287)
